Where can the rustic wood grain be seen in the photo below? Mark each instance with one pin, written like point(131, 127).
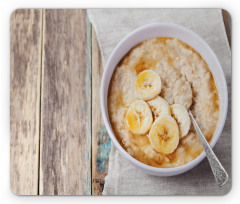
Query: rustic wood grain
point(25, 69)
point(65, 153)
point(100, 141)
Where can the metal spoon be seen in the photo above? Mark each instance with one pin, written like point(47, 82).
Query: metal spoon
point(219, 172)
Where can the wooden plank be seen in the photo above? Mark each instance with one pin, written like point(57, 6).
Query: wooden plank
point(227, 24)
point(65, 150)
point(101, 144)
point(25, 71)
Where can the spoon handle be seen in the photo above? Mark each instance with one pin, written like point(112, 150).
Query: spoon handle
point(218, 170)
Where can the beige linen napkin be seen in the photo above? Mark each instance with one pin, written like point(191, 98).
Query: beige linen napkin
point(111, 25)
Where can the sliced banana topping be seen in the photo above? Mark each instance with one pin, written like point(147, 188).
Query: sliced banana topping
point(159, 106)
point(164, 134)
point(139, 117)
point(181, 116)
point(148, 84)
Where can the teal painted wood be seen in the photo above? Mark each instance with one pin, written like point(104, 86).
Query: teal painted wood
point(88, 84)
point(104, 147)
point(101, 143)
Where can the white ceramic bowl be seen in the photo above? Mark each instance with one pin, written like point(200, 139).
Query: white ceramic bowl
point(190, 38)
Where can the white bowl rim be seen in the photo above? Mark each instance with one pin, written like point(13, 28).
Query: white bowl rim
point(150, 169)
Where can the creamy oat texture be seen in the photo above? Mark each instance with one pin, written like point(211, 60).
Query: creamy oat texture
point(186, 79)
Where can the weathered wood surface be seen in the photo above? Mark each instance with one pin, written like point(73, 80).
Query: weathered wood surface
point(100, 140)
point(25, 69)
point(65, 153)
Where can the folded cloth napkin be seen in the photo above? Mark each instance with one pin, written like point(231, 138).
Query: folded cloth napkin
point(111, 25)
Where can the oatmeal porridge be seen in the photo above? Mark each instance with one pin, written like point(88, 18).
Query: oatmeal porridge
point(149, 96)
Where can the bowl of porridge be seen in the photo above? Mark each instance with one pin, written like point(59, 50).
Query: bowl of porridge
point(152, 78)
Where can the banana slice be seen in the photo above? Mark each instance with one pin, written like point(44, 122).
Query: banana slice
point(181, 116)
point(159, 106)
point(164, 134)
point(139, 117)
point(148, 84)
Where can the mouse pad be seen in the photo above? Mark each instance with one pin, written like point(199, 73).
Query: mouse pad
point(143, 141)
